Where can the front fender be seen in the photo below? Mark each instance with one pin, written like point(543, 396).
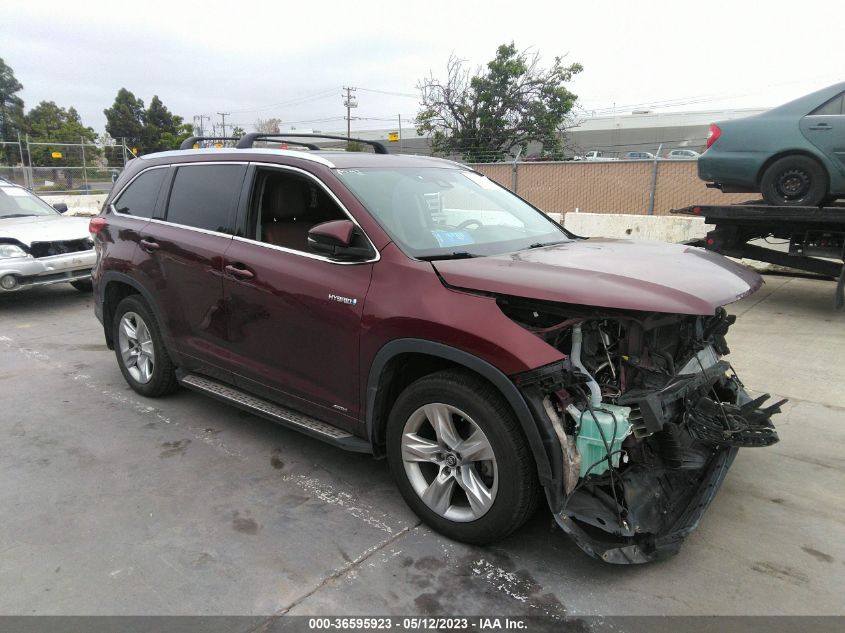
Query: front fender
point(538, 431)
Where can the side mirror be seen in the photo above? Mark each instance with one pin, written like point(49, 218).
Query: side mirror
point(61, 207)
point(340, 239)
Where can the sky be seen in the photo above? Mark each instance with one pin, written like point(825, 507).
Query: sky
point(290, 60)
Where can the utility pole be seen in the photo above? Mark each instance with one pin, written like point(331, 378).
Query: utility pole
point(199, 128)
point(223, 116)
point(350, 102)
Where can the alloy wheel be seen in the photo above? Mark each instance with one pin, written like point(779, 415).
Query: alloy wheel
point(449, 462)
point(136, 347)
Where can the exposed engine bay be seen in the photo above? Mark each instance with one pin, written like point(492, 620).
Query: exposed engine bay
point(647, 417)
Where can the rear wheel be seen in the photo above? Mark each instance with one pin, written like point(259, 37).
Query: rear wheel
point(139, 347)
point(460, 459)
point(794, 180)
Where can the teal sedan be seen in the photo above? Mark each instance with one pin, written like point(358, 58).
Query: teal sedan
point(793, 154)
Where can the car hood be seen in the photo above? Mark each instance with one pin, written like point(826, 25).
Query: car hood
point(609, 273)
point(44, 228)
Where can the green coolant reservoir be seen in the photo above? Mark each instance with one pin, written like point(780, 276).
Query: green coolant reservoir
point(589, 440)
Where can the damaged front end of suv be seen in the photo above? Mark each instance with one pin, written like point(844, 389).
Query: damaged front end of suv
point(647, 417)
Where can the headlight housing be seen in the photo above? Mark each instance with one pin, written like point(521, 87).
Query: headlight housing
point(11, 250)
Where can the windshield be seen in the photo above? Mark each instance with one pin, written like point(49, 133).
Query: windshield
point(433, 212)
point(17, 202)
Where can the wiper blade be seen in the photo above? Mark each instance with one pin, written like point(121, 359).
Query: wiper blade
point(542, 244)
point(455, 255)
point(18, 215)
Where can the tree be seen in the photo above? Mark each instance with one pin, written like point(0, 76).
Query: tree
point(238, 131)
point(125, 119)
point(150, 130)
point(482, 116)
point(11, 111)
point(162, 129)
point(158, 120)
point(268, 126)
point(172, 140)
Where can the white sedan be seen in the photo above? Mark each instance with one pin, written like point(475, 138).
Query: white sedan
point(39, 246)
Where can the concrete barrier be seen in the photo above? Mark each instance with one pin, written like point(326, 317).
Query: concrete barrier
point(663, 228)
point(85, 204)
point(641, 227)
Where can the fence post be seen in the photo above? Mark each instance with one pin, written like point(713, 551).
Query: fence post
point(29, 161)
point(84, 170)
point(654, 181)
point(514, 170)
point(26, 182)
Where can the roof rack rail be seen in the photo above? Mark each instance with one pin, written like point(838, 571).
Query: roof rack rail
point(188, 143)
point(247, 140)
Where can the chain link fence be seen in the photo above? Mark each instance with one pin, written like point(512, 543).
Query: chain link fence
point(646, 187)
point(59, 167)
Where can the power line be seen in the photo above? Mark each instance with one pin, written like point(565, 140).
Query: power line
point(388, 92)
point(314, 96)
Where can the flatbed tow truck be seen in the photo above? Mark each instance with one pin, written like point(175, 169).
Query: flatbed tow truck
point(816, 236)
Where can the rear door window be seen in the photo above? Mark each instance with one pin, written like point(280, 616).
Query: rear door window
point(205, 196)
point(139, 198)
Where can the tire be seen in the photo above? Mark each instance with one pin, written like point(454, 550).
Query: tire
point(143, 359)
point(83, 285)
point(794, 180)
point(430, 463)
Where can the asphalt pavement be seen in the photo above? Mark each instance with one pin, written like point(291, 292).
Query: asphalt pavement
point(116, 504)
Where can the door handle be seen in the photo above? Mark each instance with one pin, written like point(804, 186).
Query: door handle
point(240, 271)
point(149, 245)
point(821, 126)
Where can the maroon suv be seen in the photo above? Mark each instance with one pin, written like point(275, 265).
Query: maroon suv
point(411, 308)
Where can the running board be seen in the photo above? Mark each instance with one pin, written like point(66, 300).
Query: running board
point(277, 413)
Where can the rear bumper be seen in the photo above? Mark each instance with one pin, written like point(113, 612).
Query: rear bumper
point(731, 171)
point(29, 272)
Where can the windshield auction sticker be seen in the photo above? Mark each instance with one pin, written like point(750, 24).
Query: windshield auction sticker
point(452, 238)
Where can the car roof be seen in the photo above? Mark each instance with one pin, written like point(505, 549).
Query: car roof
point(802, 105)
point(333, 159)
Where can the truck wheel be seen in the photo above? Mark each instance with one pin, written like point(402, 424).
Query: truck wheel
point(794, 180)
point(460, 459)
point(139, 347)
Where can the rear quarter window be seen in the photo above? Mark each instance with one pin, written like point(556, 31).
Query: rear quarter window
point(833, 106)
point(139, 198)
point(205, 196)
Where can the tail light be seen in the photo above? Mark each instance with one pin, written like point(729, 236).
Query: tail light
point(713, 135)
point(96, 225)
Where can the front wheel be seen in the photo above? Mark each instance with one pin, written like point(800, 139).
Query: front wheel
point(460, 459)
point(139, 347)
point(794, 180)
